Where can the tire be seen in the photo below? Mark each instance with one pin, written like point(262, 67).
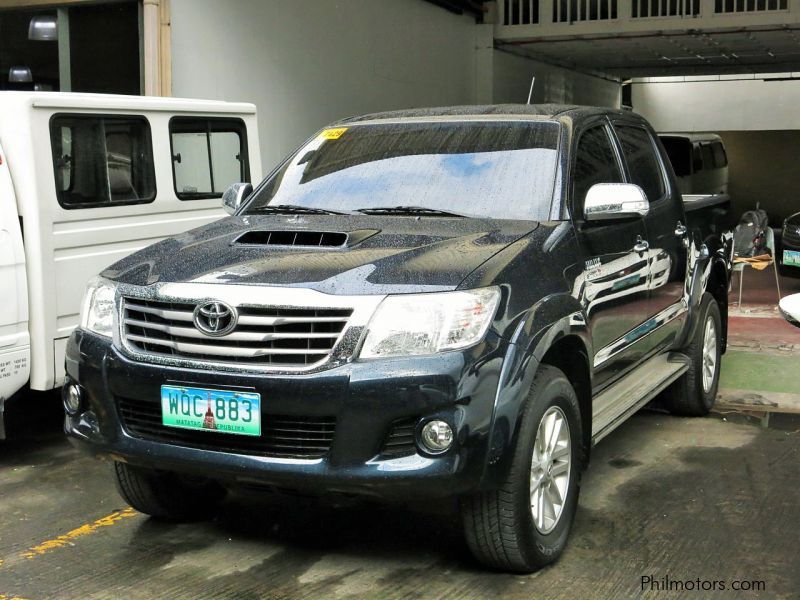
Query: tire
point(167, 496)
point(499, 524)
point(691, 395)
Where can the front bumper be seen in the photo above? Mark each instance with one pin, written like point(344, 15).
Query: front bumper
point(365, 398)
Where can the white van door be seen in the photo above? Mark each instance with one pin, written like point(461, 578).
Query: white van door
point(14, 337)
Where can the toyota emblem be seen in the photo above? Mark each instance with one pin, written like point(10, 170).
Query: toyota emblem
point(215, 318)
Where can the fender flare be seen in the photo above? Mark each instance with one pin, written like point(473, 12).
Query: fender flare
point(540, 327)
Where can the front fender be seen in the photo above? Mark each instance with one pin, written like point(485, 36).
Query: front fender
point(549, 320)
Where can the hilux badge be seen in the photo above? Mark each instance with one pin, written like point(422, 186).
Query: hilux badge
point(215, 318)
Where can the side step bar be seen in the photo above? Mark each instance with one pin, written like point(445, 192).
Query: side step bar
point(614, 405)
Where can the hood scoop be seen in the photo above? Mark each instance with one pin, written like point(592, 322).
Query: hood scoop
point(304, 238)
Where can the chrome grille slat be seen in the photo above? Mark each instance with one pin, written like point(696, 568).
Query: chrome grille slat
point(263, 336)
point(236, 336)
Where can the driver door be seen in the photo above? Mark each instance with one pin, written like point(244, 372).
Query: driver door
point(613, 285)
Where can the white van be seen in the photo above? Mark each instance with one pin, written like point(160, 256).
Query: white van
point(699, 160)
point(86, 179)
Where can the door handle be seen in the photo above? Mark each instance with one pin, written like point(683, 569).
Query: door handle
point(680, 229)
point(641, 245)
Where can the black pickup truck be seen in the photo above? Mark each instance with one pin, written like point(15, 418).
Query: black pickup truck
point(429, 303)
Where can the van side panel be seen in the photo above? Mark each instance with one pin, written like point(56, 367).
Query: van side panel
point(14, 337)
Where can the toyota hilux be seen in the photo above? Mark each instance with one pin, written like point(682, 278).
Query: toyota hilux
point(453, 302)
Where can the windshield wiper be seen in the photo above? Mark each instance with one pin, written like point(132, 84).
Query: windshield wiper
point(408, 210)
point(294, 209)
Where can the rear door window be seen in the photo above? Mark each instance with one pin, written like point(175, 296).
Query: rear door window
point(708, 156)
point(102, 160)
point(640, 155)
point(208, 155)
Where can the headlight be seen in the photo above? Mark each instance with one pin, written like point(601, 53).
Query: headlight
point(97, 312)
point(412, 324)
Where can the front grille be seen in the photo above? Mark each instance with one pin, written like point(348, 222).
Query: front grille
point(400, 439)
point(263, 336)
point(791, 235)
point(282, 436)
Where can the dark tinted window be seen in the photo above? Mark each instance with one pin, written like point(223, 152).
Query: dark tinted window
point(679, 151)
point(640, 156)
point(718, 152)
point(499, 169)
point(595, 162)
point(208, 155)
point(708, 156)
point(102, 160)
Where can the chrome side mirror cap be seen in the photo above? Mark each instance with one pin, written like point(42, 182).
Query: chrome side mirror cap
point(605, 201)
point(234, 196)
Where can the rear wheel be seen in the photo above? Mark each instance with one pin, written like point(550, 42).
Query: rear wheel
point(524, 524)
point(695, 392)
point(166, 495)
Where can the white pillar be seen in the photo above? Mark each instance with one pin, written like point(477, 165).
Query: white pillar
point(151, 22)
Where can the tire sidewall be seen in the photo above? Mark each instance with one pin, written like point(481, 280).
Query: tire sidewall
point(558, 392)
point(710, 310)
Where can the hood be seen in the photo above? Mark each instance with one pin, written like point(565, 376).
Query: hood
point(378, 254)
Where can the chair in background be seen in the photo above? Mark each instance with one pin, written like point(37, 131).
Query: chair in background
point(760, 262)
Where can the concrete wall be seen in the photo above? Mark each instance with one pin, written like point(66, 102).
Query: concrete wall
point(724, 103)
point(307, 63)
point(512, 79)
point(763, 168)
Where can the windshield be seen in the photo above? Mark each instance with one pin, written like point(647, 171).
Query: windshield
point(502, 170)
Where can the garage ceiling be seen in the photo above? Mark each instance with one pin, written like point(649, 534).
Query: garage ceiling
point(689, 52)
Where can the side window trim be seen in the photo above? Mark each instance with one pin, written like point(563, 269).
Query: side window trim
point(102, 118)
point(209, 125)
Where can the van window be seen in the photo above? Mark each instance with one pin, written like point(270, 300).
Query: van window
point(720, 157)
point(643, 165)
point(208, 155)
point(708, 156)
point(102, 160)
point(679, 150)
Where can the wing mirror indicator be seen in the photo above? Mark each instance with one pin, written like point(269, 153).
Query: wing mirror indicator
point(606, 201)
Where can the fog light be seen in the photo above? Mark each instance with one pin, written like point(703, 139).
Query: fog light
point(436, 436)
point(71, 396)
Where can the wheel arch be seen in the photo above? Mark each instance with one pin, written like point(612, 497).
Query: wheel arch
point(553, 332)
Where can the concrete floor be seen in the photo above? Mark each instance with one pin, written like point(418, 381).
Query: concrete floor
point(683, 498)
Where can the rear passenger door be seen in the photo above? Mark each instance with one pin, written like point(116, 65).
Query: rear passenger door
point(666, 232)
point(613, 285)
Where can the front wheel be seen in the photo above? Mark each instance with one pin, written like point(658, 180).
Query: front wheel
point(695, 392)
point(524, 524)
point(167, 496)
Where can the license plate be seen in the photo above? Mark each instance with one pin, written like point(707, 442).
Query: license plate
point(224, 411)
point(791, 257)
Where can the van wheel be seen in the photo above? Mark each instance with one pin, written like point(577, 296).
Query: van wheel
point(524, 524)
point(166, 495)
point(695, 392)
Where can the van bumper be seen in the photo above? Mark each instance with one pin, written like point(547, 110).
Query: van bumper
point(365, 400)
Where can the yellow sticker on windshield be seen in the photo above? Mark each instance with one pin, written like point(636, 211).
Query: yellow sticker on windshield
point(333, 134)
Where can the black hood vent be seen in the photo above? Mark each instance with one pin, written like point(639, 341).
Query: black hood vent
point(304, 238)
point(318, 239)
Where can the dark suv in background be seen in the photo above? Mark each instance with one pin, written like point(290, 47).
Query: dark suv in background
point(428, 303)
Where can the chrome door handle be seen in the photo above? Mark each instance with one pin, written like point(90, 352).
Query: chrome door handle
point(641, 246)
point(680, 229)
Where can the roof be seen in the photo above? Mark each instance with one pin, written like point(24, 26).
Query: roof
point(120, 102)
point(692, 137)
point(493, 110)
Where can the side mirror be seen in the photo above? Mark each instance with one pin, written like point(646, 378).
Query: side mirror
point(234, 196)
point(790, 309)
point(606, 201)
